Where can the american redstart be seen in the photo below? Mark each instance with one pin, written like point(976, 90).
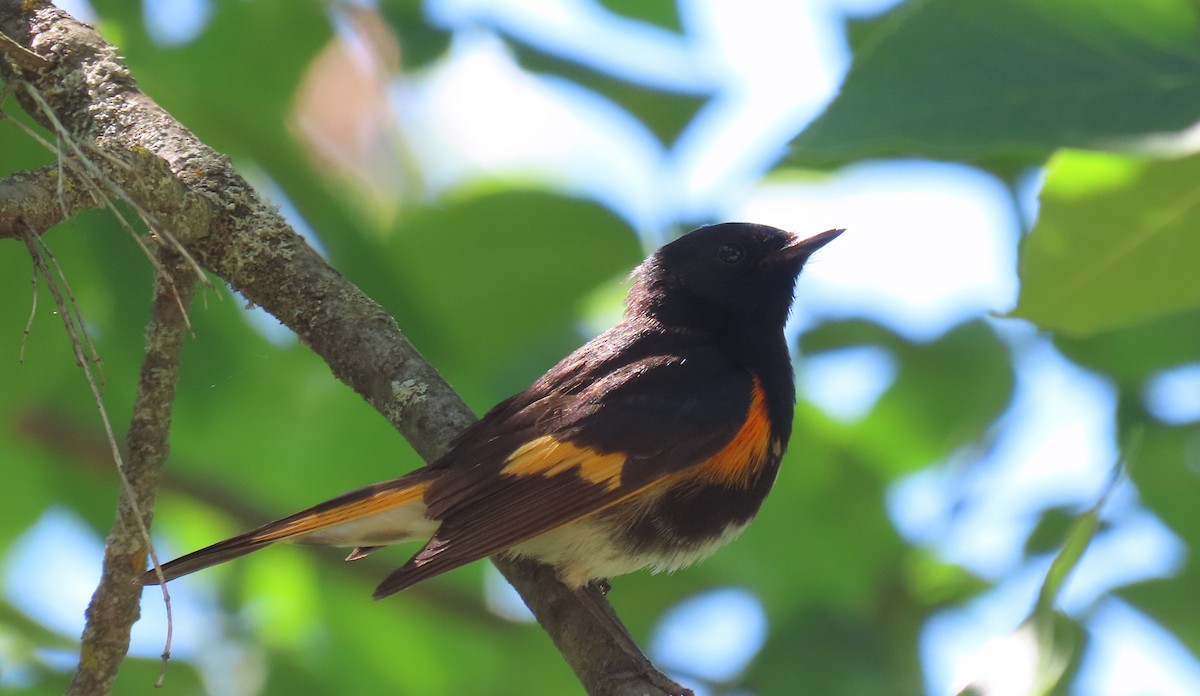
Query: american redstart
point(651, 446)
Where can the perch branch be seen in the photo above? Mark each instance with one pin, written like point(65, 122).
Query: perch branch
point(194, 192)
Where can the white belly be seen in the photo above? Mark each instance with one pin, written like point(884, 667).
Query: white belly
point(583, 551)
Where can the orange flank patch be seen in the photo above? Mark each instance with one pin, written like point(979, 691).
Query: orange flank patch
point(744, 456)
point(322, 517)
point(547, 456)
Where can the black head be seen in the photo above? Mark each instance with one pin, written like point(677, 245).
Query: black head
point(734, 275)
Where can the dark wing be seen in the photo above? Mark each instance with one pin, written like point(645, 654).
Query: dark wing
point(569, 452)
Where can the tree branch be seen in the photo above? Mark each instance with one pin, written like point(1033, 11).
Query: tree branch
point(37, 198)
point(192, 191)
point(114, 606)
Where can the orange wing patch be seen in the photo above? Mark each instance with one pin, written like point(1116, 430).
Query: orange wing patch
point(547, 456)
point(737, 463)
point(345, 512)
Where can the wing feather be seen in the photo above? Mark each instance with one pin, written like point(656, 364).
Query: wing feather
point(573, 452)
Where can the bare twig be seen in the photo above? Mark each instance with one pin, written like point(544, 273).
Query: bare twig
point(88, 176)
point(32, 313)
point(71, 312)
point(91, 177)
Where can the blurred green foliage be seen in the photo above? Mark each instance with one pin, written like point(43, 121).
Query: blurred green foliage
point(492, 282)
point(1110, 235)
point(1004, 84)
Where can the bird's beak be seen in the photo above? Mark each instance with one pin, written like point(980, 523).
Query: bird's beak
point(805, 246)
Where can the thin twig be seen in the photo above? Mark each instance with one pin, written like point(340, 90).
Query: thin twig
point(32, 244)
point(58, 182)
point(32, 240)
point(88, 173)
point(32, 314)
point(72, 312)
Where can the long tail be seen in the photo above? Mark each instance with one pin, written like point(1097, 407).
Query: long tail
point(383, 513)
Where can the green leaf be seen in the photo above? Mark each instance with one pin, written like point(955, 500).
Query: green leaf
point(1172, 603)
point(945, 396)
point(666, 114)
point(841, 655)
point(420, 44)
point(989, 81)
point(20, 150)
point(138, 675)
point(1054, 524)
point(826, 493)
point(530, 258)
point(1115, 243)
point(47, 396)
point(824, 557)
point(296, 436)
point(1131, 354)
point(1078, 537)
point(662, 14)
point(233, 85)
point(1165, 472)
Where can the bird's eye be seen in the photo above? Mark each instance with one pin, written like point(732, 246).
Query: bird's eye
point(731, 253)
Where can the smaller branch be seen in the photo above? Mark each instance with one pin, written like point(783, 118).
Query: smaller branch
point(29, 199)
point(20, 56)
point(114, 606)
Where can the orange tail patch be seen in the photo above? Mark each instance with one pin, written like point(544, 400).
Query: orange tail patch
point(338, 511)
point(346, 509)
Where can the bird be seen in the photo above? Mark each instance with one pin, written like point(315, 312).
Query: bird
point(649, 447)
